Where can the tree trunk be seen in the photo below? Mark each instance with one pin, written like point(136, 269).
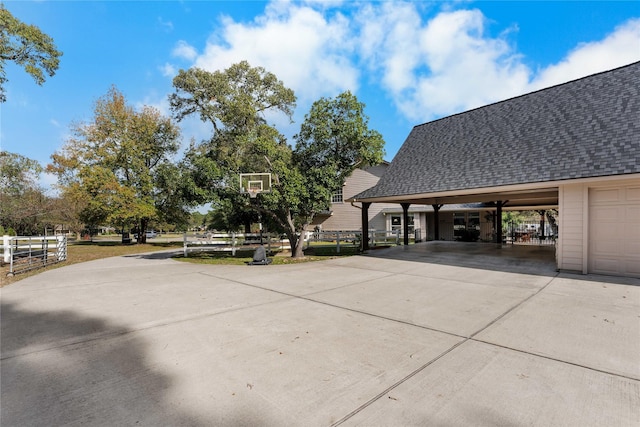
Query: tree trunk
point(298, 252)
point(142, 232)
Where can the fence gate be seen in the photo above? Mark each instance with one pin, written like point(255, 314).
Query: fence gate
point(529, 234)
point(24, 253)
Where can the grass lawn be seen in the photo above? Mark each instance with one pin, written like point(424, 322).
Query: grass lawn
point(89, 251)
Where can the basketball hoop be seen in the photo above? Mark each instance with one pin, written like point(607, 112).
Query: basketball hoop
point(254, 183)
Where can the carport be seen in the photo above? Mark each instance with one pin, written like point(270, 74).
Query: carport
point(572, 147)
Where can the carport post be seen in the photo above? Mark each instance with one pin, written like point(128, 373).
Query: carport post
point(499, 205)
point(365, 225)
point(436, 221)
point(405, 222)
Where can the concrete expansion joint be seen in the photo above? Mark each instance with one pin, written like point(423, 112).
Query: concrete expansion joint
point(440, 356)
point(554, 359)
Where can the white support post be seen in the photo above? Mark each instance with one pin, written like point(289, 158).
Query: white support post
point(61, 246)
point(233, 243)
point(184, 238)
point(6, 248)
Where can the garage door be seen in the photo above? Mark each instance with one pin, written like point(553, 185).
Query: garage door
point(614, 230)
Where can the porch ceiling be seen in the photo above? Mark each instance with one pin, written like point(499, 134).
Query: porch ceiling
point(523, 199)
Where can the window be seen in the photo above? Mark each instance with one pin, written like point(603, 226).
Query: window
point(466, 226)
point(337, 196)
point(459, 224)
point(396, 222)
point(473, 221)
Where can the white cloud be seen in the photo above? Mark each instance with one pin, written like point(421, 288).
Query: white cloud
point(168, 70)
point(442, 66)
point(54, 122)
point(310, 52)
point(185, 51)
point(619, 48)
point(429, 62)
point(449, 64)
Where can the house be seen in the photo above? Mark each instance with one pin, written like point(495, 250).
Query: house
point(574, 147)
point(461, 221)
point(454, 220)
point(344, 215)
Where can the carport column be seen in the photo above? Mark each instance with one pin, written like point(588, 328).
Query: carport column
point(499, 205)
point(365, 225)
point(405, 222)
point(436, 221)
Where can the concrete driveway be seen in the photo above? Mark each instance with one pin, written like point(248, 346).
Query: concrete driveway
point(431, 334)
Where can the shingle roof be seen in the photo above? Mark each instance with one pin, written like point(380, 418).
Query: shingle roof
point(584, 128)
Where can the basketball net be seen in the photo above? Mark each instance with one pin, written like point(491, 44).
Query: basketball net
point(253, 193)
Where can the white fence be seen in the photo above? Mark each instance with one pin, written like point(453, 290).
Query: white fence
point(24, 253)
point(233, 242)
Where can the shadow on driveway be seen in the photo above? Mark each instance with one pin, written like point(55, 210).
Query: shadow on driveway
point(54, 368)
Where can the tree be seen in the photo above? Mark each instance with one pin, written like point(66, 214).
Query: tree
point(28, 47)
point(333, 140)
point(23, 203)
point(120, 164)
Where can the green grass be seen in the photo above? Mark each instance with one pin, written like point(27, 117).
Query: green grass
point(242, 257)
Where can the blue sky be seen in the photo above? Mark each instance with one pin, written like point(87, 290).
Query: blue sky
point(409, 62)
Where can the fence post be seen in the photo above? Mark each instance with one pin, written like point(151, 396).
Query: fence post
point(6, 248)
point(184, 239)
point(337, 242)
point(61, 247)
point(233, 243)
point(45, 250)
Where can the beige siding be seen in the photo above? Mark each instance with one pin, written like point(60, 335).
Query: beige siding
point(571, 222)
point(598, 230)
point(614, 229)
point(346, 216)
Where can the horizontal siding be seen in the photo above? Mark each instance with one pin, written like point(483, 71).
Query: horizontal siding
point(571, 239)
point(346, 216)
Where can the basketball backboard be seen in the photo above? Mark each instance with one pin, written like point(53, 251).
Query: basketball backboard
point(254, 183)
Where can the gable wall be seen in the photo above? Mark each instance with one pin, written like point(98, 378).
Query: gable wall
point(348, 217)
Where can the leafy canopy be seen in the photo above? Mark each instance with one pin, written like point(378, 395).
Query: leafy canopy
point(333, 140)
point(121, 163)
point(24, 207)
point(28, 47)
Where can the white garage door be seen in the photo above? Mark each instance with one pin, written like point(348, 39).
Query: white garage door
point(614, 230)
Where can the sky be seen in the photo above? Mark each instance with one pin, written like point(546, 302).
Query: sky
point(409, 62)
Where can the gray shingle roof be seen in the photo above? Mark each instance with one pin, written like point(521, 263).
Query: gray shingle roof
point(584, 128)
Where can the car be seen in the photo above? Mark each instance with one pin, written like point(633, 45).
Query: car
point(151, 234)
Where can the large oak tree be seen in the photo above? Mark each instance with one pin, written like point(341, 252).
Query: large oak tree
point(333, 140)
point(121, 165)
